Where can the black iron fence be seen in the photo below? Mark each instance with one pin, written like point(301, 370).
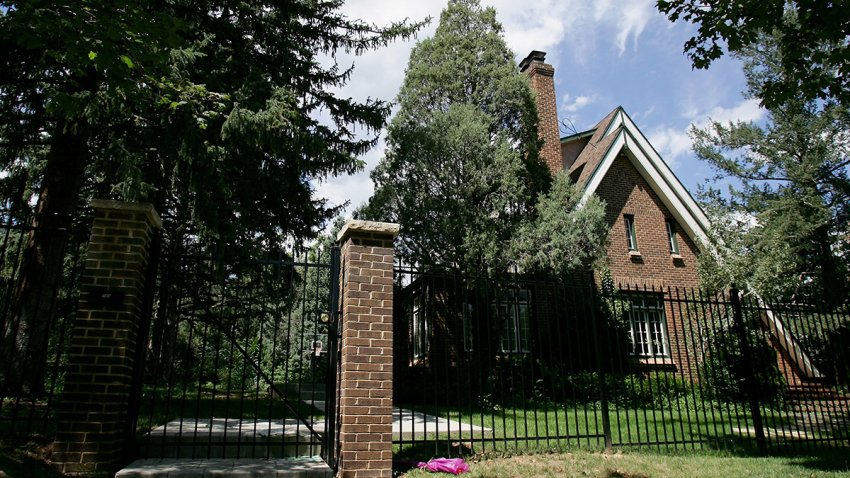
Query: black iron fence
point(489, 364)
point(238, 361)
point(40, 270)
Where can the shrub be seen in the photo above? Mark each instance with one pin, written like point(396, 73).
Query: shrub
point(658, 390)
point(725, 371)
point(831, 354)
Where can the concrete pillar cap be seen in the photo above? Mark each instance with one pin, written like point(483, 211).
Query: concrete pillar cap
point(373, 228)
point(142, 207)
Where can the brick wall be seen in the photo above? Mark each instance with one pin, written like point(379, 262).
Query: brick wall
point(91, 437)
point(626, 192)
point(366, 359)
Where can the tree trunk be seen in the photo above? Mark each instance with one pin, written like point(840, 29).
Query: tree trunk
point(25, 341)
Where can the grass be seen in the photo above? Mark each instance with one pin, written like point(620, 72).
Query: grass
point(711, 427)
point(642, 464)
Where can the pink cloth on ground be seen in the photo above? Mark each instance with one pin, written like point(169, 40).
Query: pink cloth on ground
point(454, 466)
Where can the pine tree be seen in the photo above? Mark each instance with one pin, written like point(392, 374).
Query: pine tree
point(208, 109)
point(782, 225)
point(462, 174)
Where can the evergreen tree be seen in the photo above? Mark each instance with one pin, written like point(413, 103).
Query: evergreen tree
point(782, 226)
point(462, 173)
point(208, 109)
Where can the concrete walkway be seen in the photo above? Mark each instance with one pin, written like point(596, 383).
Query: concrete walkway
point(305, 467)
point(231, 442)
point(406, 424)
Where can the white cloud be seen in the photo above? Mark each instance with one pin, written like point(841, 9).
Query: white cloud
point(631, 22)
point(571, 105)
point(539, 25)
point(747, 110)
point(673, 143)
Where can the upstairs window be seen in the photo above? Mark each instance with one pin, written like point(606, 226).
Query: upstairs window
point(631, 237)
point(671, 237)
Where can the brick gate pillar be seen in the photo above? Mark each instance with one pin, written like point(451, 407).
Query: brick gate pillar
point(93, 417)
point(366, 359)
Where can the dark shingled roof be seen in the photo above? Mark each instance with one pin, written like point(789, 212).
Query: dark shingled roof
point(589, 158)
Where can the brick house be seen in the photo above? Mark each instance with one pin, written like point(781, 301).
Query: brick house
point(655, 224)
point(655, 228)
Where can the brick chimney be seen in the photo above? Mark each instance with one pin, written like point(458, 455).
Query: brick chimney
point(541, 77)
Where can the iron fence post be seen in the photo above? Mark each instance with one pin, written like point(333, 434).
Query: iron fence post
point(139, 363)
point(603, 394)
point(329, 447)
point(751, 385)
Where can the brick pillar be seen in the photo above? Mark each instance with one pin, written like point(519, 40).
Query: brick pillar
point(366, 361)
point(541, 78)
point(93, 410)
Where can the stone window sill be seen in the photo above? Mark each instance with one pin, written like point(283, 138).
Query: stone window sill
point(635, 254)
point(659, 362)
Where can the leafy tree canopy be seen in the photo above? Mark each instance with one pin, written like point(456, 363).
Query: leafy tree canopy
point(461, 174)
point(812, 40)
point(782, 224)
point(208, 109)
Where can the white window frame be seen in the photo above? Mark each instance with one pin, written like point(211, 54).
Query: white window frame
point(648, 326)
point(420, 328)
point(672, 240)
point(631, 233)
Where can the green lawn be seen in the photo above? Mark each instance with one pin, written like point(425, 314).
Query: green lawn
point(711, 427)
point(644, 464)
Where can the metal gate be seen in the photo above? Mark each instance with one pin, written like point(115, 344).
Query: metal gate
point(240, 359)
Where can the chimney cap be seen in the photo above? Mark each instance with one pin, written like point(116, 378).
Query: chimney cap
point(535, 55)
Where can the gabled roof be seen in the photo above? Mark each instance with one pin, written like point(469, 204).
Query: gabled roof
point(617, 134)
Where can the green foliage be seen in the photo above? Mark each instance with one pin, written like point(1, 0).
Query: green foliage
point(563, 236)
point(725, 372)
point(461, 174)
point(219, 113)
point(830, 352)
point(659, 390)
point(812, 42)
point(780, 225)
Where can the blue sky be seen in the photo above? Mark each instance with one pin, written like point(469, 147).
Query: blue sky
point(605, 53)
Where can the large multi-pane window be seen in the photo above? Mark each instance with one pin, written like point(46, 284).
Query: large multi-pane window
point(648, 327)
point(420, 328)
point(513, 310)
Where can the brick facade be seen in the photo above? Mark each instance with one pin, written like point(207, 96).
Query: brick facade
point(626, 192)
point(93, 417)
point(541, 76)
point(366, 359)
point(656, 268)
